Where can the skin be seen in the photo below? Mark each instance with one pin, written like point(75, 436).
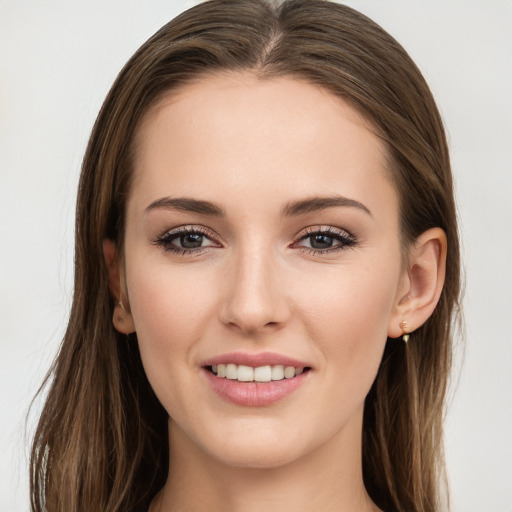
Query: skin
point(253, 147)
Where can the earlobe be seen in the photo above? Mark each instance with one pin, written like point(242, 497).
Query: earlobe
point(122, 317)
point(424, 283)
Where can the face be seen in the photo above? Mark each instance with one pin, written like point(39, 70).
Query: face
point(262, 232)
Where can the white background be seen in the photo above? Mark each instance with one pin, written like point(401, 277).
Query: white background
point(57, 61)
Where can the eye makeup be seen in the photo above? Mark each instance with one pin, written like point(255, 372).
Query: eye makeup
point(324, 239)
point(187, 240)
point(195, 239)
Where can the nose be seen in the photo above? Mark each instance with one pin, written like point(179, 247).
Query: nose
point(255, 301)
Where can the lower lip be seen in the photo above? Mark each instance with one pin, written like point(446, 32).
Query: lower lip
point(254, 394)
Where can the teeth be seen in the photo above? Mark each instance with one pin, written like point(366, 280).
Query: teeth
point(245, 373)
point(232, 371)
point(289, 372)
point(263, 374)
point(266, 373)
point(278, 372)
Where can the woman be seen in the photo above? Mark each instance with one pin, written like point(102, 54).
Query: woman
point(266, 275)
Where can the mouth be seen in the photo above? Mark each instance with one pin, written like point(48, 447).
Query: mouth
point(265, 373)
point(255, 379)
point(245, 380)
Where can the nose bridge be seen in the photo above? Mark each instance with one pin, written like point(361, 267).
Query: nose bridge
point(255, 299)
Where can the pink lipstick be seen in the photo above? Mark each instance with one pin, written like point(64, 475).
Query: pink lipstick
point(255, 380)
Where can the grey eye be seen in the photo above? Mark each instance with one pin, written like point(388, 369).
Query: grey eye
point(320, 241)
point(191, 241)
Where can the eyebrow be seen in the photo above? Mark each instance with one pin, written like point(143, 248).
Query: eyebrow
point(186, 204)
point(293, 208)
point(314, 204)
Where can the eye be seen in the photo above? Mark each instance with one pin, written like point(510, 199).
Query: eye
point(321, 241)
point(190, 241)
point(324, 239)
point(186, 240)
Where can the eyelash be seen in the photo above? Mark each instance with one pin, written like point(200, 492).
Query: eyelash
point(165, 241)
point(345, 239)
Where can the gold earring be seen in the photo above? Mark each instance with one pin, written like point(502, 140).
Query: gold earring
point(405, 330)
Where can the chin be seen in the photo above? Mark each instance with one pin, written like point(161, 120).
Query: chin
point(257, 446)
point(255, 457)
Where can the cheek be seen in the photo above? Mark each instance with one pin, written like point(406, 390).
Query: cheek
point(347, 314)
point(166, 299)
point(350, 301)
point(170, 312)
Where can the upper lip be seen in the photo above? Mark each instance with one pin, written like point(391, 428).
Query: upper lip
point(255, 360)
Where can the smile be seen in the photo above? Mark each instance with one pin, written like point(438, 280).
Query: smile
point(267, 373)
point(255, 379)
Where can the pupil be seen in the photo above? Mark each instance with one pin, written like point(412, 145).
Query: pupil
point(191, 241)
point(321, 241)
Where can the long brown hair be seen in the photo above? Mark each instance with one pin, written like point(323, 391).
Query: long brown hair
point(101, 442)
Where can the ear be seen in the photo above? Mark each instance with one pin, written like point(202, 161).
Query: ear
point(421, 284)
point(122, 318)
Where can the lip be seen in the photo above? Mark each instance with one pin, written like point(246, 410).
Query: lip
point(253, 394)
point(255, 360)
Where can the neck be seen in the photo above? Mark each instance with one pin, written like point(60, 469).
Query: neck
point(329, 479)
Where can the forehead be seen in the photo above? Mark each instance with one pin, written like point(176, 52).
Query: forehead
point(236, 133)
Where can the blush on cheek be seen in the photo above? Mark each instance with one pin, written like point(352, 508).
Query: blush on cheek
point(355, 325)
point(166, 304)
point(169, 318)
